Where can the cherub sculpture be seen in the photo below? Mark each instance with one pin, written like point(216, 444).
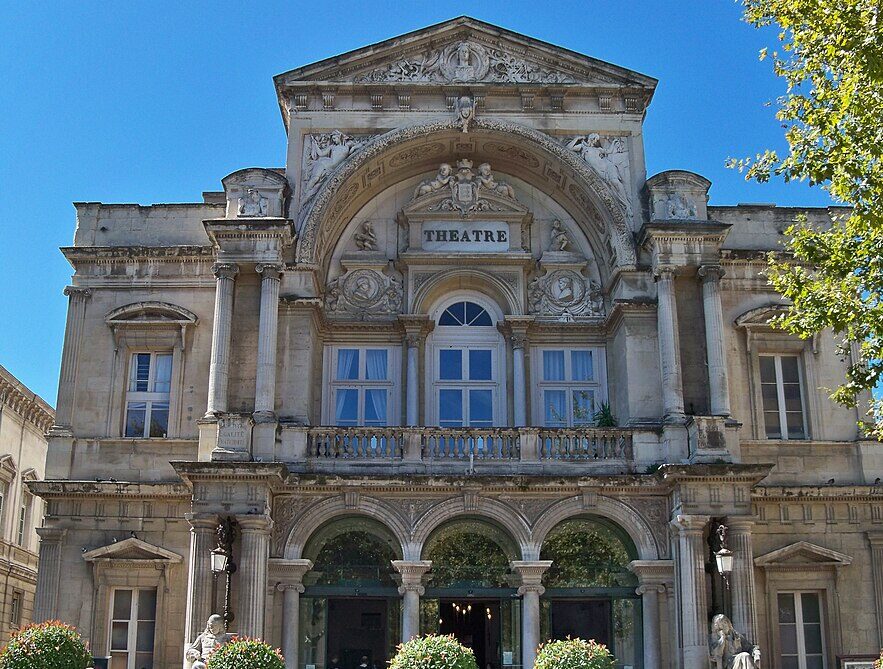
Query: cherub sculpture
point(442, 179)
point(728, 649)
point(366, 239)
point(213, 637)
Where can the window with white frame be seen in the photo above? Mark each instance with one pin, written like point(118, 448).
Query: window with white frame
point(801, 635)
point(466, 368)
point(781, 382)
point(362, 384)
point(15, 608)
point(570, 385)
point(4, 488)
point(132, 628)
point(147, 397)
point(24, 518)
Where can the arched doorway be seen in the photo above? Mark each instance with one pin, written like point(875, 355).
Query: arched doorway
point(590, 592)
point(350, 610)
point(470, 590)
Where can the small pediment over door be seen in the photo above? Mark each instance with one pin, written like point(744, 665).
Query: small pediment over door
point(133, 550)
point(803, 555)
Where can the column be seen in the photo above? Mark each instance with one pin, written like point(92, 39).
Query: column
point(411, 590)
point(203, 539)
point(742, 589)
point(49, 574)
point(73, 334)
point(531, 573)
point(412, 394)
point(876, 541)
point(252, 569)
point(669, 356)
point(692, 601)
point(718, 385)
point(221, 329)
point(653, 575)
point(291, 574)
point(268, 328)
point(519, 380)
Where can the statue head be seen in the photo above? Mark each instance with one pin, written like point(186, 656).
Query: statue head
point(484, 169)
point(337, 137)
point(253, 194)
point(594, 139)
point(445, 170)
point(720, 623)
point(215, 625)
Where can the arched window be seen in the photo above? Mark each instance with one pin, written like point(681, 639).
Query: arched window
point(466, 367)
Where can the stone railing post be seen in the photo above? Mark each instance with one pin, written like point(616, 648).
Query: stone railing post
point(411, 590)
point(692, 600)
point(49, 574)
point(531, 573)
point(219, 367)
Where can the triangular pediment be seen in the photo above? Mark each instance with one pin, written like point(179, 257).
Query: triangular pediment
point(466, 51)
point(803, 555)
point(132, 550)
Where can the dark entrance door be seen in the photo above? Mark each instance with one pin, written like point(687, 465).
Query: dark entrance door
point(475, 624)
point(357, 631)
point(586, 619)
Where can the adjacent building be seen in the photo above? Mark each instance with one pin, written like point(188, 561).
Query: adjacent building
point(24, 420)
point(459, 365)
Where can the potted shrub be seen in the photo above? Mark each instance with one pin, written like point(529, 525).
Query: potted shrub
point(246, 654)
point(50, 645)
point(574, 654)
point(433, 652)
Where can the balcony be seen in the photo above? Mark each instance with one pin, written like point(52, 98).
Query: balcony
point(455, 450)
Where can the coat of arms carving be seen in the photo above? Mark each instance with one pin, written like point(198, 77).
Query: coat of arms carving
point(466, 187)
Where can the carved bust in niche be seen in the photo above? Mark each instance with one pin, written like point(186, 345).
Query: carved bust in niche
point(252, 203)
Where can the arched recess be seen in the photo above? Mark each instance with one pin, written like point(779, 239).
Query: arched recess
point(469, 551)
point(511, 148)
point(496, 512)
point(622, 514)
point(442, 284)
point(352, 549)
point(318, 515)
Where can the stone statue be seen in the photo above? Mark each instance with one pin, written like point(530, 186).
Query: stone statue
point(465, 109)
point(365, 239)
point(213, 637)
point(252, 203)
point(442, 179)
point(609, 159)
point(487, 181)
point(560, 240)
point(728, 649)
point(679, 206)
point(326, 152)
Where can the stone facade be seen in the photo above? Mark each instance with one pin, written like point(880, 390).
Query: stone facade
point(418, 324)
point(24, 420)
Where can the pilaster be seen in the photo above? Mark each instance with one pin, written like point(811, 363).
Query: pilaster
point(693, 606)
point(49, 574)
point(718, 383)
point(742, 588)
point(219, 367)
point(669, 353)
point(203, 533)
point(253, 561)
point(70, 357)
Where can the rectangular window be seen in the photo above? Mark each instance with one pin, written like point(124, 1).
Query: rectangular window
point(801, 636)
point(132, 628)
point(24, 519)
point(15, 608)
point(147, 396)
point(569, 386)
point(782, 392)
point(361, 387)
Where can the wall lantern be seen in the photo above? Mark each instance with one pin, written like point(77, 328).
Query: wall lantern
point(724, 556)
point(222, 562)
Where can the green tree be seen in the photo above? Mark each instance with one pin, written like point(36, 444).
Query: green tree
point(831, 57)
point(50, 645)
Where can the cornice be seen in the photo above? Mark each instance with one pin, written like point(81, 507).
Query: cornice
point(865, 493)
point(30, 406)
point(102, 255)
point(61, 489)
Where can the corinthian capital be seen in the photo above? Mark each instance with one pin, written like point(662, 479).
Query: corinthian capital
point(225, 270)
point(76, 292)
point(268, 270)
point(710, 273)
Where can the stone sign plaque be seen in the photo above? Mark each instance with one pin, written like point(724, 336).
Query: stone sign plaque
point(234, 433)
point(465, 236)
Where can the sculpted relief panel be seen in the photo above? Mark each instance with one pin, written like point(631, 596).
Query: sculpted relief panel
point(466, 188)
point(363, 292)
point(465, 62)
point(322, 155)
point(609, 158)
point(566, 295)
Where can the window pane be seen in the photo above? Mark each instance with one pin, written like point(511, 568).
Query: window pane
point(122, 604)
point(144, 661)
point(770, 396)
point(450, 408)
point(786, 608)
point(553, 365)
point(477, 316)
point(375, 406)
point(346, 407)
point(481, 408)
point(162, 375)
point(582, 368)
point(450, 364)
point(795, 426)
point(773, 426)
point(790, 662)
point(140, 372)
point(347, 364)
point(812, 638)
point(788, 638)
point(145, 637)
point(119, 636)
point(809, 603)
point(147, 605)
point(159, 419)
point(789, 369)
point(555, 403)
point(454, 315)
point(136, 414)
point(583, 406)
point(375, 362)
point(119, 661)
point(792, 397)
point(767, 369)
point(479, 365)
point(814, 662)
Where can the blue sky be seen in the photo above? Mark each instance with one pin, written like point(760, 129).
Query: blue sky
point(156, 101)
